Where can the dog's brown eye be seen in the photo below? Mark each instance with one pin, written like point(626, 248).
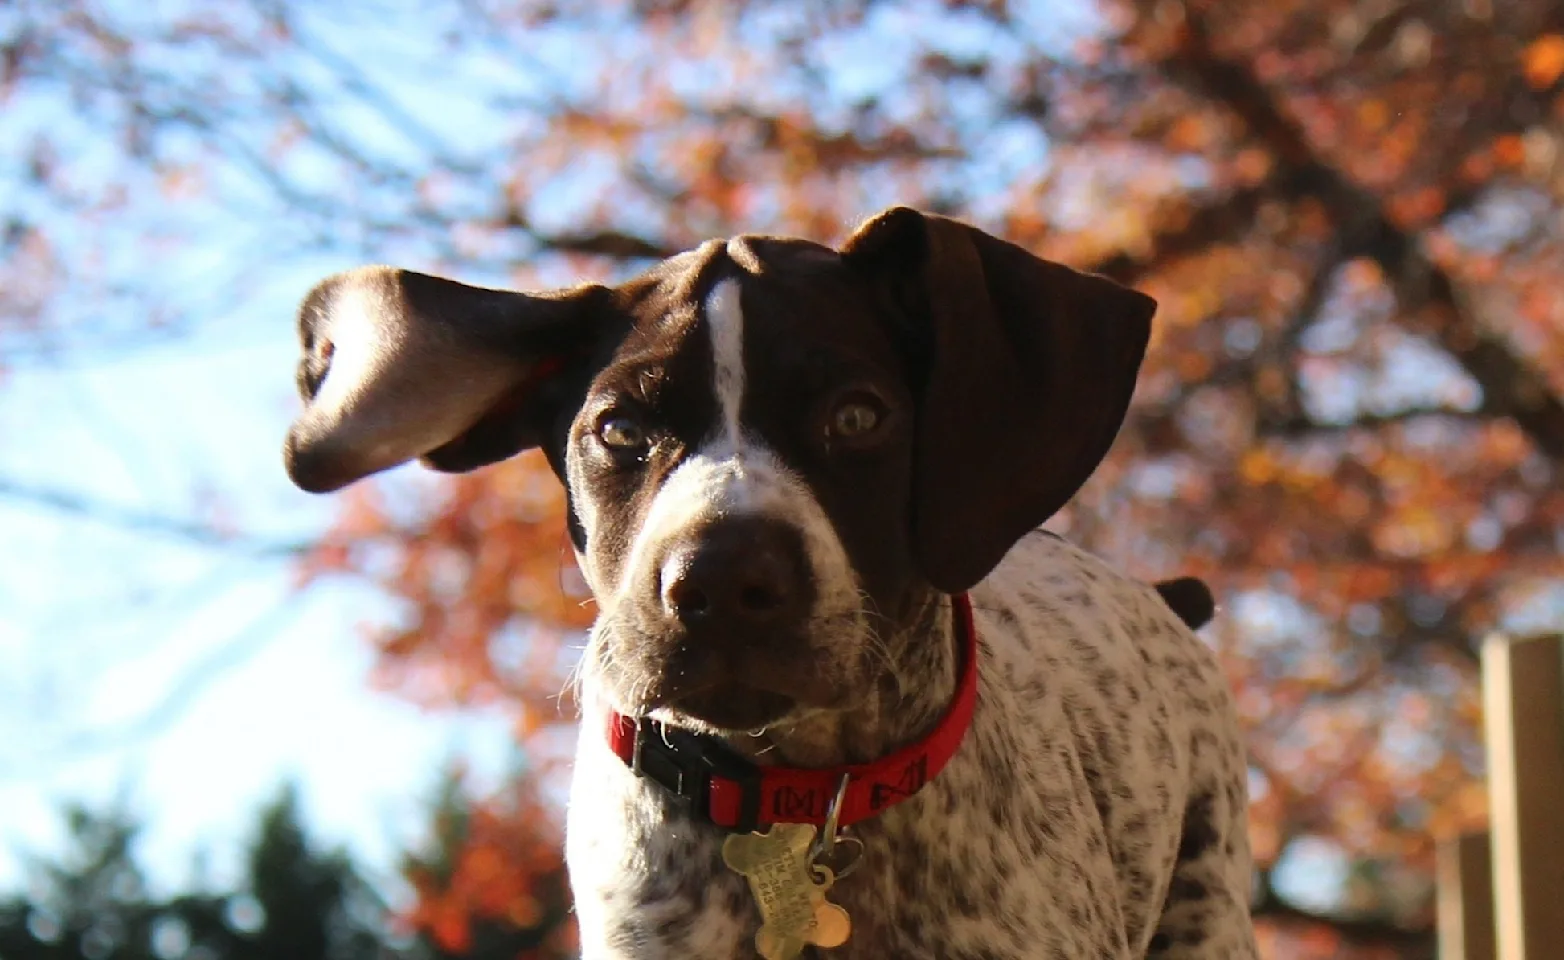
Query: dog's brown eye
point(621, 433)
point(854, 418)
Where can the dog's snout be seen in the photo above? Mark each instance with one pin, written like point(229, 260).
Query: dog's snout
point(740, 572)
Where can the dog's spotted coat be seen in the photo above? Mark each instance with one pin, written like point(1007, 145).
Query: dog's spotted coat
point(1096, 808)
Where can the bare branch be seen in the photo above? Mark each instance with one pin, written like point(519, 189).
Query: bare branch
point(1300, 426)
point(612, 244)
point(132, 520)
point(1224, 217)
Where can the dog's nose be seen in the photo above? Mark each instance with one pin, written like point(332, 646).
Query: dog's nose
point(739, 571)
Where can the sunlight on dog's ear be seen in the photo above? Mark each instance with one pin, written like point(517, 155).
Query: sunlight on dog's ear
point(399, 365)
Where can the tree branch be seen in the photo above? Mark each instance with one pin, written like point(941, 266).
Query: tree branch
point(1221, 218)
point(142, 522)
point(1300, 426)
point(612, 244)
point(1429, 298)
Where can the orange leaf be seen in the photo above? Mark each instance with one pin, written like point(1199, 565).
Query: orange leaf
point(451, 930)
point(1189, 133)
point(1374, 114)
point(1509, 151)
point(1543, 60)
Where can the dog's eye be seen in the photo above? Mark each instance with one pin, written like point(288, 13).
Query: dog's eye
point(621, 433)
point(855, 418)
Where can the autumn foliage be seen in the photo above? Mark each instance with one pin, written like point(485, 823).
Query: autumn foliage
point(494, 884)
point(1349, 421)
point(1351, 212)
point(489, 584)
point(488, 620)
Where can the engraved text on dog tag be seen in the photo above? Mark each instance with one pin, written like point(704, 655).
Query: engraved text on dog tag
point(793, 910)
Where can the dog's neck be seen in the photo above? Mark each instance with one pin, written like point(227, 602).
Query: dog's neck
point(913, 687)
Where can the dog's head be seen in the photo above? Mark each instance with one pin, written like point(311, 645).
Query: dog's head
point(773, 449)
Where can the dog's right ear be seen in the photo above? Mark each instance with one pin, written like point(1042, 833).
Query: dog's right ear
point(1027, 368)
point(399, 365)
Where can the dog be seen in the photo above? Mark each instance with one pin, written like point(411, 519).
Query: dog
point(838, 672)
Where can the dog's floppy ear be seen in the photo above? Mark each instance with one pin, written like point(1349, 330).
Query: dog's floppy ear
point(1027, 367)
point(399, 365)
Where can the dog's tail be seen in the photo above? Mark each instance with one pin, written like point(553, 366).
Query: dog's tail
point(1190, 599)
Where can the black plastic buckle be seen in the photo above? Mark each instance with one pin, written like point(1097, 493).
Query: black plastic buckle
point(683, 763)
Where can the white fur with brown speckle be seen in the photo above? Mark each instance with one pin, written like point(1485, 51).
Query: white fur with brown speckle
point(1095, 809)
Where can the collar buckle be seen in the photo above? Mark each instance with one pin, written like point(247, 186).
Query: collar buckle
point(685, 764)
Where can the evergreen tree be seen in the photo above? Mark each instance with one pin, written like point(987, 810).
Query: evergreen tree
point(296, 901)
point(92, 903)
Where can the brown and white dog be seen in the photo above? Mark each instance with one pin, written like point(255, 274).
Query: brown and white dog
point(791, 469)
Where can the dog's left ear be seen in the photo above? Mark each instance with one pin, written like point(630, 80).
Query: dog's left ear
point(398, 365)
point(1027, 370)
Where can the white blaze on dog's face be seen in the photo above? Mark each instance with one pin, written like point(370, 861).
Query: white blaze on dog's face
point(703, 468)
point(734, 475)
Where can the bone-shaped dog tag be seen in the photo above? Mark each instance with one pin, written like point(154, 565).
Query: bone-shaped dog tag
point(793, 909)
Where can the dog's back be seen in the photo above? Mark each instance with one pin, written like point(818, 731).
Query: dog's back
point(1125, 752)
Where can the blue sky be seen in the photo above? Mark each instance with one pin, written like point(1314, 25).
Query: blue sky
point(99, 629)
point(189, 681)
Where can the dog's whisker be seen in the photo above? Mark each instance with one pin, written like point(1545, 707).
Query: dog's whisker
point(573, 677)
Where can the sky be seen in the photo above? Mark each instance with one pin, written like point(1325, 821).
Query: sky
point(190, 682)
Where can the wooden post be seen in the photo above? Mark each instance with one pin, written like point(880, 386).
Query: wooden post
point(1523, 719)
point(1464, 872)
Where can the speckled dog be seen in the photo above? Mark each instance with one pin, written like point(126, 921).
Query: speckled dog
point(793, 471)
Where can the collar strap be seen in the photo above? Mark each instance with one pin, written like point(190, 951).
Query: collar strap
point(719, 785)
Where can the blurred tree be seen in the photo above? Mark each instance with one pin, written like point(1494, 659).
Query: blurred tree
point(296, 900)
point(301, 902)
point(1350, 211)
point(93, 903)
point(492, 884)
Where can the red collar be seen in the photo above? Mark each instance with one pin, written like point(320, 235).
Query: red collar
point(719, 785)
